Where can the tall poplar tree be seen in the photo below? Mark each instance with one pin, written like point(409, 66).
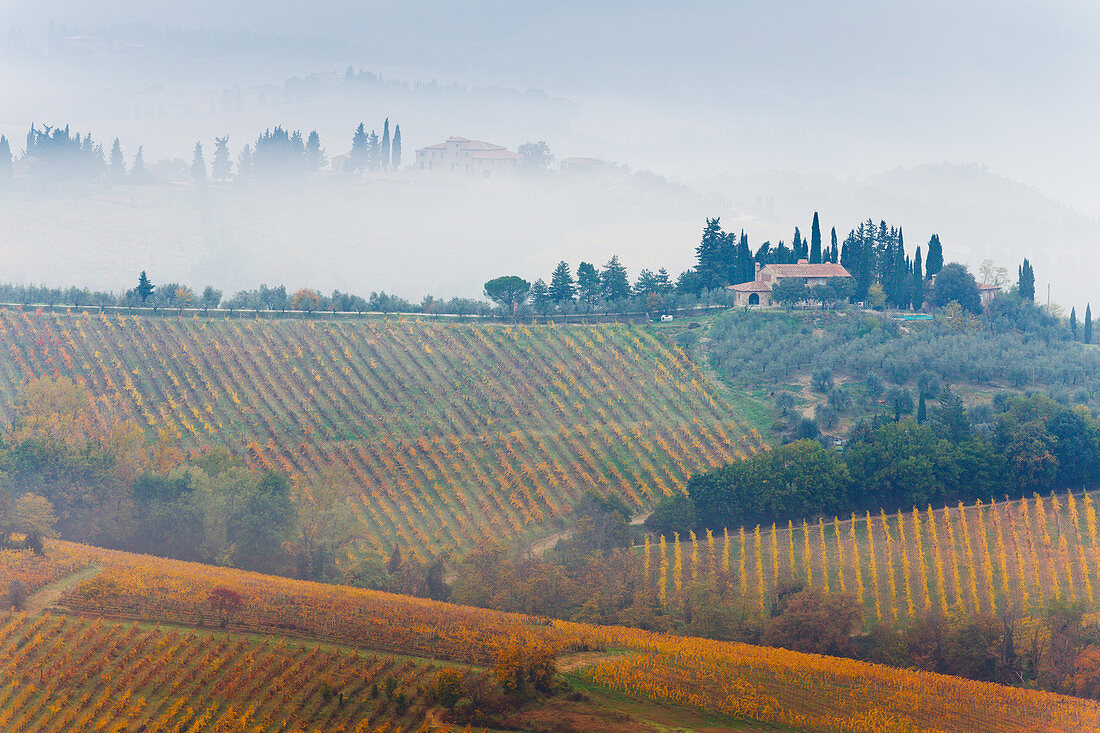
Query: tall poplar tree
point(815, 240)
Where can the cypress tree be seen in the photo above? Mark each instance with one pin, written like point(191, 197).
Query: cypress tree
point(834, 253)
point(798, 246)
point(744, 266)
point(386, 144)
point(1073, 322)
point(1026, 282)
point(815, 240)
point(922, 410)
point(1087, 334)
point(5, 160)
point(395, 152)
point(917, 288)
point(933, 263)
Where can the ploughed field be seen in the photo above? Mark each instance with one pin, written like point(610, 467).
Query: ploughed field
point(136, 646)
point(440, 433)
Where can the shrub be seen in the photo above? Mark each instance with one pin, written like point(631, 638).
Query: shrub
point(815, 622)
point(446, 688)
point(16, 596)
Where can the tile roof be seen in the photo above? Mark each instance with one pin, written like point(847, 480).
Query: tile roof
point(501, 154)
point(754, 286)
point(805, 269)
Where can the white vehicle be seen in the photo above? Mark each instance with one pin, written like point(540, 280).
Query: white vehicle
point(666, 319)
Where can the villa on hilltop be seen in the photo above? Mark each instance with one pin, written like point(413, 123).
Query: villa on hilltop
point(759, 290)
point(463, 156)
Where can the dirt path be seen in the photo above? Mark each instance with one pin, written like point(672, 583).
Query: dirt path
point(584, 659)
point(540, 546)
point(51, 594)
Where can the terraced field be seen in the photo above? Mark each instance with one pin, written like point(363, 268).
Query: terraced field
point(440, 433)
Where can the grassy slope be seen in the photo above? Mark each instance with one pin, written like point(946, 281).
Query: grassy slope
point(753, 684)
point(437, 433)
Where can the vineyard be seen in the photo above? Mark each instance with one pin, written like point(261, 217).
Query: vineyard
point(814, 692)
point(146, 588)
point(125, 674)
point(441, 433)
point(983, 558)
point(63, 673)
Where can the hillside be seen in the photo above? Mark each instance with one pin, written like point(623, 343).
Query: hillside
point(734, 681)
point(977, 559)
point(436, 434)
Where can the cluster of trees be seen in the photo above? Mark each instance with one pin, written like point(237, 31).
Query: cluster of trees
point(1013, 343)
point(1019, 446)
point(175, 295)
point(66, 472)
point(281, 153)
point(57, 153)
point(874, 255)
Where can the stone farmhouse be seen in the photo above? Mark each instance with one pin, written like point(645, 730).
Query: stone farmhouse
point(759, 290)
point(462, 156)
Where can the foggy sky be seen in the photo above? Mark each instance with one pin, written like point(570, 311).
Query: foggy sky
point(717, 94)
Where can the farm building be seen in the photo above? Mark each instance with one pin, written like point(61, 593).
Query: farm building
point(759, 290)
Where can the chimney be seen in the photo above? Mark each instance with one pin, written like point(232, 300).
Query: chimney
point(803, 261)
point(757, 272)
